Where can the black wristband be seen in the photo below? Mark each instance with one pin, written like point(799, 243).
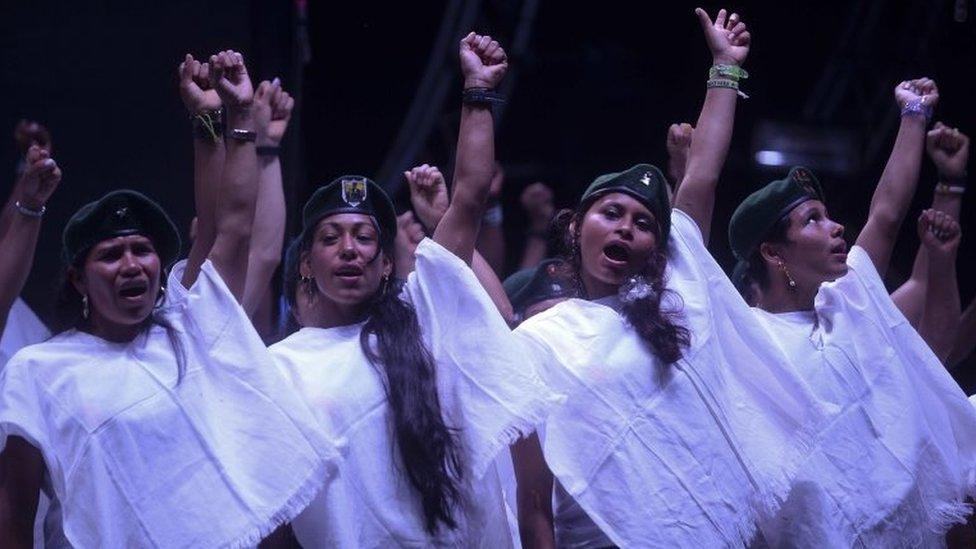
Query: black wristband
point(247, 136)
point(482, 96)
point(268, 150)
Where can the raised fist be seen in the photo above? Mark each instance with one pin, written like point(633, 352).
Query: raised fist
point(949, 150)
point(939, 232)
point(428, 194)
point(39, 180)
point(678, 144)
point(229, 77)
point(920, 88)
point(195, 89)
point(272, 111)
point(727, 38)
point(29, 132)
point(537, 202)
point(483, 61)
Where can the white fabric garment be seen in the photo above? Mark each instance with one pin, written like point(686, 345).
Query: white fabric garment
point(23, 328)
point(485, 388)
point(896, 463)
point(691, 454)
point(138, 460)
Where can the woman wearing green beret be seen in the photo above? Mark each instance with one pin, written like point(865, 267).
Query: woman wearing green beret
point(157, 418)
point(420, 382)
point(899, 459)
point(676, 432)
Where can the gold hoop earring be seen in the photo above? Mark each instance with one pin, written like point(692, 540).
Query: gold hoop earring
point(789, 279)
point(85, 310)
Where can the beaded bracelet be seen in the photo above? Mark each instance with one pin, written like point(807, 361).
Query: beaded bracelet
point(723, 83)
point(30, 212)
point(732, 72)
point(917, 107)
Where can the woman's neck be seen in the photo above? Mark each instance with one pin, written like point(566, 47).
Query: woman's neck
point(780, 298)
point(115, 333)
point(329, 314)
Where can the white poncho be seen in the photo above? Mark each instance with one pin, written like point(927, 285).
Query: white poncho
point(897, 462)
point(486, 388)
point(137, 460)
point(690, 454)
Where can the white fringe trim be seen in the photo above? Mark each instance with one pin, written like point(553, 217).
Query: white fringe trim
point(297, 503)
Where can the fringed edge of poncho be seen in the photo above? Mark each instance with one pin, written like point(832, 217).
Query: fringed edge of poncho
point(523, 424)
point(297, 503)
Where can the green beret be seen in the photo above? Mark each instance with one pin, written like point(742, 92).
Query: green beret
point(352, 194)
point(644, 182)
point(120, 213)
point(761, 210)
point(530, 286)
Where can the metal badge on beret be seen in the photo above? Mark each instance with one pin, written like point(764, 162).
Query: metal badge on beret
point(353, 191)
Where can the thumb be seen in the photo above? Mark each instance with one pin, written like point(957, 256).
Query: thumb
point(703, 19)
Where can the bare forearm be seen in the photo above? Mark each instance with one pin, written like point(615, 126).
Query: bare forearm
point(966, 337)
point(458, 229)
point(267, 234)
point(709, 147)
point(894, 193)
point(491, 246)
point(235, 207)
point(208, 166)
point(533, 494)
point(18, 243)
point(940, 318)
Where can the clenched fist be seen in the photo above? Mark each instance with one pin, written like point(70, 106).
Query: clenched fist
point(483, 61)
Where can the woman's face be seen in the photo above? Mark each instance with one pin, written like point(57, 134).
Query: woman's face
point(814, 251)
point(617, 236)
point(121, 278)
point(345, 259)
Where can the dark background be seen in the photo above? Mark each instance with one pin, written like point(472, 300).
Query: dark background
point(592, 89)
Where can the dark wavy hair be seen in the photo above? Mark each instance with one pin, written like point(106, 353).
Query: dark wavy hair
point(757, 273)
point(654, 321)
point(68, 312)
point(429, 449)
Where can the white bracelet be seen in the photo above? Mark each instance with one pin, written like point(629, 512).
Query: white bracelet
point(29, 212)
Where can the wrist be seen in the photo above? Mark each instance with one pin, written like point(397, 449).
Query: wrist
point(240, 117)
point(724, 60)
point(477, 83)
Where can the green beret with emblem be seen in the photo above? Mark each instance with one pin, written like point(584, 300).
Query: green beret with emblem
point(645, 183)
point(352, 194)
point(120, 213)
point(529, 286)
point(761, 210)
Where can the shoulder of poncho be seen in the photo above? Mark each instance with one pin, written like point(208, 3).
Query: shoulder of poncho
point(570, 318)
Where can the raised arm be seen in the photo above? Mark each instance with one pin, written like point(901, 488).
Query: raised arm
point(428, 195)
point(893, 195)
point(728, 40)
point(272, 111)
point(491, 235)
point(966, 338)
point(483, 64)
point(678, 144)
point(203, 106)
point(234, 208)
point(22, 225)
point(940, 235)
point(949, 150)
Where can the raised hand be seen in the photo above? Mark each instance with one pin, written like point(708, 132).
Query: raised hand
point(727, 38)
point(29, 132)
point(537, 202)
point(678, 144)
point(195, 89)
point(271, 110)
point(923, 89)
point(428, 194)
point(483, 61)
point(39, 180)
point(229, 77)
point(949, 150)
point(939, 232)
